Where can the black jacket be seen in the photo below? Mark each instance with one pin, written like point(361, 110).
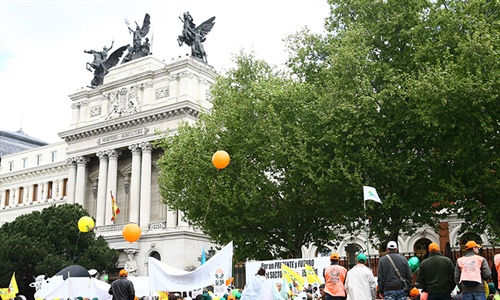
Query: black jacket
point(387, 277)
point(122, 289)
point(436, 274)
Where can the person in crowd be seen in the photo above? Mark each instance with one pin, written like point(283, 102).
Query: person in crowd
point(471, 271)
point(321, 291)
point(360, 283)
point(436, 275)
point(334, 275)
point(495, 271)
point(260, 288)
point(389, 283)
point(122, 288)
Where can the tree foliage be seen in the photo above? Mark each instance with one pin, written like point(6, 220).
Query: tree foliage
point(47, 241)
point(427, 73)
point(401, 96)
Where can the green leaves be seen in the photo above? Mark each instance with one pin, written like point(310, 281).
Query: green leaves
point(46, 242)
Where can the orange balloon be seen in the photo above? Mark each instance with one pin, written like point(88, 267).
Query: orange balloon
point(131, 232)
point(220, 159)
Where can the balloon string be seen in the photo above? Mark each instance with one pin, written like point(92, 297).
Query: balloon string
point(76, 246)
point(211, 195)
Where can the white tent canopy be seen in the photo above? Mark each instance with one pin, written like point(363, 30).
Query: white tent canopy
point(76, 287)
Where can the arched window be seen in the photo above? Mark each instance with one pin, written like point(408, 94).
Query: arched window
point(421, 248)
point(469, 236)
point(352, 250)
point(155, 254)
point(323, 251)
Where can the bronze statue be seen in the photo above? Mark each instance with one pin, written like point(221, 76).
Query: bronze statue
point(195, 36)
point(138, 48)
point(101, 64)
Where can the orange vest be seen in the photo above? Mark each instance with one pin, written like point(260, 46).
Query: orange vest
point(334, 280)
point(496, 261)
point(471, 268)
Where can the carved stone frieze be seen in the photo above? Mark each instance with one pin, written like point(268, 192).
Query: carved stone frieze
point(96, 111)
point(123, 102)
point(163, 93)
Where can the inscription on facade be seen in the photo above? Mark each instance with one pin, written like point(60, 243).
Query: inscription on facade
point(122, 136)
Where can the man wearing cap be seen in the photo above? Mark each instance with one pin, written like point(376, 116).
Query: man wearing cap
point(389, 283)
point(334, 275)
point(436, 275)
point(470, 273)
point(360, 282)
point(122, 288)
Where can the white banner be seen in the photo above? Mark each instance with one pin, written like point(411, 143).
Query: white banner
point(273, 267)
point(214, 272)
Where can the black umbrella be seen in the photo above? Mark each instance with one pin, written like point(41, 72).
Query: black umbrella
point(73, 271)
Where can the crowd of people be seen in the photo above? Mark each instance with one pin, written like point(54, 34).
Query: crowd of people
point(437, 278)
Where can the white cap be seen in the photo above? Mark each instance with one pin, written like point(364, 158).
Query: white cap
point(392, 245)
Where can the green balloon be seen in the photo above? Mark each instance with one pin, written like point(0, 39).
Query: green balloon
point(105, 278)
point(238, 295)
point(414, 263)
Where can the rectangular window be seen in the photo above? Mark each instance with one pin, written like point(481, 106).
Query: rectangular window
point(11, 165)
point(65, 184)
point(7, 198)
point(20, 197)
point(25, 162)
point(53, 156)
point(38, 159)
point(34, 197)
point(49, 190)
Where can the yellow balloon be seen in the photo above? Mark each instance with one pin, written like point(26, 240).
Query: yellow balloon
point(85, 224)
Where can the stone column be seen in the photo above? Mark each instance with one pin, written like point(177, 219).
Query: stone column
point(75, 114)
point(145, 185)
point(112, 183)
point(171, 217)
point(135, 185)
point(60, 188)
point(101, 188)
point(29, 194)
point(45, 191)
point(81, 179)
point(2, 200)
point(84, 114)
point(71, 181)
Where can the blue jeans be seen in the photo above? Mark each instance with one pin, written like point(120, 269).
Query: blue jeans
point(396, 295)
point(439, 297)
point(473, 296)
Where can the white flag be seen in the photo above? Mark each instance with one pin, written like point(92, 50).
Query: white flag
point(370, 193)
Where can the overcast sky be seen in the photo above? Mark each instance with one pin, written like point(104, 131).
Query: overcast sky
point(42, 43)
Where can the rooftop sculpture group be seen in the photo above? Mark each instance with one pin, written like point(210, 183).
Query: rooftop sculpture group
point(192, 36)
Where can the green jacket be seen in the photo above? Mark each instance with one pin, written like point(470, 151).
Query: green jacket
point(435, 275)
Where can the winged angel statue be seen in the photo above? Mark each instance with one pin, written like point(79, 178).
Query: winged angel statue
point(139, 48)
point(194, 36)
point(102, 63)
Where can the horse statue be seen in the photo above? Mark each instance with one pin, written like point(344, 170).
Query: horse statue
point(194, 36)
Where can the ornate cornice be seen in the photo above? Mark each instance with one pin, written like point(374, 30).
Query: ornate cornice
point(130, 122)
point(34, 174)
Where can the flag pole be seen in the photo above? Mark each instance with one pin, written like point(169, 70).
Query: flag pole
point(367, 232)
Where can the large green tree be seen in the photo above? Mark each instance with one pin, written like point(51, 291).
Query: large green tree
point(412, 89)
point(268, 200)
point(45, 242)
